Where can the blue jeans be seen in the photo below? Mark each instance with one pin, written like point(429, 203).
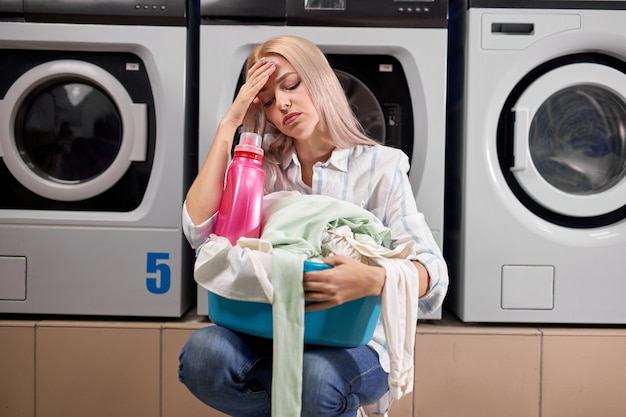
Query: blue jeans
point(231, 372)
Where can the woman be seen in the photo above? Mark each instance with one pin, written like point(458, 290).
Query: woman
point(318, 148)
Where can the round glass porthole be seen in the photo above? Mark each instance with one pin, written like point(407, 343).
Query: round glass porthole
point(68, 131)
point(577, 140)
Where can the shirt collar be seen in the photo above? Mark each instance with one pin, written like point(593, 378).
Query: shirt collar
point(338, 159)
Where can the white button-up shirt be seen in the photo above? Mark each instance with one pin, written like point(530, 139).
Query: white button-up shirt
point(375, 178)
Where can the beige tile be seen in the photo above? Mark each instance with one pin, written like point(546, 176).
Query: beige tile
point(475, 372)
point(584, 372)
point(17, 368)
point(402, 407)
point(177, 400)
point(97, 369)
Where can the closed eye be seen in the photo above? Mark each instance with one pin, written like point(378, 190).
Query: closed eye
point(294, 86)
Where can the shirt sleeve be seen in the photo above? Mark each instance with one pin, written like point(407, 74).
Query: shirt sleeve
point(196, 234)
point(407, 223)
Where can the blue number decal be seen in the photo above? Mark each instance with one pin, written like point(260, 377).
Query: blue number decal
point(154, 265)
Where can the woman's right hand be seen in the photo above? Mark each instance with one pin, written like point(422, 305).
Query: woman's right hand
point(246, 104)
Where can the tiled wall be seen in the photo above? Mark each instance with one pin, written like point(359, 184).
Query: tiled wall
point(498, 371)
point(129, 369)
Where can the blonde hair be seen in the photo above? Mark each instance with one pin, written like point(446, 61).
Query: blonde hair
point(336, 116)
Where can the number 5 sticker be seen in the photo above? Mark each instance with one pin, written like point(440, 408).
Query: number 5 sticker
point(156, 264)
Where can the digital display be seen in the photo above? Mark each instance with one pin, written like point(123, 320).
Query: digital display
point(325, 4)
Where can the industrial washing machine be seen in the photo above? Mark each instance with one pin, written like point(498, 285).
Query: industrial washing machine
point(94, 160)
point(390, 56)
point(535, 219)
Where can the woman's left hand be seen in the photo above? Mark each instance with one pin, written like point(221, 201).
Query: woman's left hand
point(348, 280)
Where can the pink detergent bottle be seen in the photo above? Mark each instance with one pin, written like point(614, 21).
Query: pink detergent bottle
point(242, 201)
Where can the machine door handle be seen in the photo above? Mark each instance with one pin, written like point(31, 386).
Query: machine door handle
point(520, 140)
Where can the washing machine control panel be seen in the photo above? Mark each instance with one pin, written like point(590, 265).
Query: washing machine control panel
point(339, 13)
point(369, 13)
point(135, 12)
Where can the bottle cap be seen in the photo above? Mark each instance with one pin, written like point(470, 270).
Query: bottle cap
point(249, 146)
point(250, 138)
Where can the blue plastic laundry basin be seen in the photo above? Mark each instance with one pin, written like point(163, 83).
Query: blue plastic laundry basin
point(346, 325)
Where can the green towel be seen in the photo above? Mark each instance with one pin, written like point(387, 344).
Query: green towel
point(297, 222)
point(288, 325)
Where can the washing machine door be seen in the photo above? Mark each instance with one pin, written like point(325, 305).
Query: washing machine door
point(364, 105)
point(568, 144)
point(378, 92)
point(69, 130)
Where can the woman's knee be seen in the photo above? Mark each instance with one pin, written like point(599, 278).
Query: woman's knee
point(200, 354)
point(336, 382)
point(324, 391)
point(220, 368)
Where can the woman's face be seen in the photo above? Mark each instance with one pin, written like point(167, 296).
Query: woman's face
point(287, 102)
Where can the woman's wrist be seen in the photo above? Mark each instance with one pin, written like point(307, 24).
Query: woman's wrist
point(423, 278)
point(379, 279)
